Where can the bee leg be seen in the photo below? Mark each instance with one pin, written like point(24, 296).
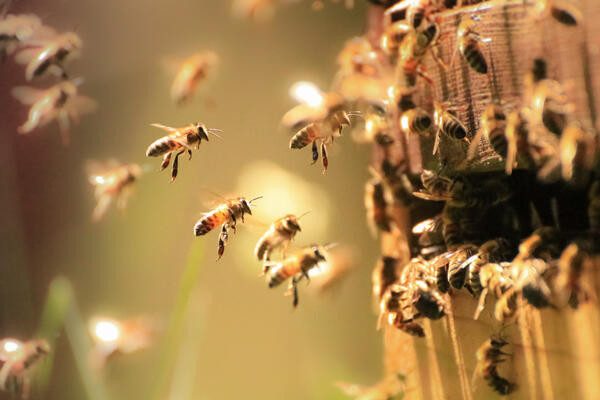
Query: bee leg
point(166, 161)
point(234, 221)
point(189, 154)
point(324, 156)
point(294, 288)
point(315, 152)
point(223, 236)
point(175, 165)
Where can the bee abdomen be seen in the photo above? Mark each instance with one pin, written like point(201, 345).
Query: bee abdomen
point(261, 250)
point(474, 281)
point(304, 137)
point(206, 224)
point(159, 147)
point(278, 275)
point(475, 58)
point(455, 129)
point(563, 16)
point(499, 143)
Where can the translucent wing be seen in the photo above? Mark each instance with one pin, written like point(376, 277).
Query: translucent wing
point(80, 105)
point(301, 115)
point(166, 128)
point(25, 56)
point(27, 95)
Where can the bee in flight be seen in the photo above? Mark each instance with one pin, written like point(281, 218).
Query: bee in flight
point(192, 71)
point(17, 30)
point(226, 215)
point(17, 360)
point(489, 355)
point(280, 234)
point(112, 181)
point(178, 140)
point(297, 266)
point(60, 102)
point(50, 55)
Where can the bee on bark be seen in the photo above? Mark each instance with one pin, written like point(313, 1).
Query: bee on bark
point(562, 11)
point(468, 41)
point(17, 361)
point(297, 266)
point(279, 235)
point(112, 181)
point(226, 215)
point(60, 102)
point(179, 140)
point(488, 356)
point(493, 127)
point(448, 124)
point(51, 56)
point(193, 70)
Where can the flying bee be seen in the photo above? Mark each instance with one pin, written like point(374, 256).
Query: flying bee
point(577, 151)
point(17, 360)
point(179, 140)
point(51, 57)
point(563, 12)
point(193, 70)
point(448, 124)
point(279, 235)
point(60, 102)
point(385, 273)
point(112, 181)
point(17, 30)
point(297, 266)
point(416, 121)
point(488, 356)
point(226, 215)
point(468, 41)
point(492, 127)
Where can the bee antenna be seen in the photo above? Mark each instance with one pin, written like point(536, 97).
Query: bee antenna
point(329, 246)
point(213, 131)
point(307, 212)
point(256, 198)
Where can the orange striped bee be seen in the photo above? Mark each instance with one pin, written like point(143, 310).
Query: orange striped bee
point(17, 360)
point(60, 102)
point(51, 56)
point(180, 139)
point(468, 45)
point(225, 215)
point(296, 266)
point(112, 181)
point(280, 234)
point(192, 71)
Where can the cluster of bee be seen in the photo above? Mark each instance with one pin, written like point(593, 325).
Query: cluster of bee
point(44, 52)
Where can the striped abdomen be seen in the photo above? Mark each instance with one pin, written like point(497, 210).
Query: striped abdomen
point(563, 16)
point(454, 128)
point(416, 121)
point(211, 220)
point(499, 142)
point(304, 137)
point(280, 273)
point(377, 205)
point(474, 56)
point(474, 281)
point(162, 146)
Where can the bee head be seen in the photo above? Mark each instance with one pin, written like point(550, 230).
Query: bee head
point(201, 132)
point(290, 222)
point(318, 253)
point(245, 206)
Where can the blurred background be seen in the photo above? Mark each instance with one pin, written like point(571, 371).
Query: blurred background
point(241, 340)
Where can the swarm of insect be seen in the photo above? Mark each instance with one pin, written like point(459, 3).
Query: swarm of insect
point(192, 71)
point(279, 236)
point(60, 102)
point(112, 181)
point(178, 141)
point(226, 215)
point(17, 361)
point(297, 267)
point(488, 356)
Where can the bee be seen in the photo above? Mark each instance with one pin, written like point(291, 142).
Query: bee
point(516, 136)
point(385, 273)
point(178, 140)
point(493, 127)
point(547, 104)
point(376, 202)
point(50, 57)
point(413, 48)
point(488, 356)
point(529, 277)
point(416, 121)
point(491, 251)
point(543, 243)
point(457, 267)
point(377, 130)
point(447, 124)
point(436, 187)
point(563, 12)
point(569, 282)
point(393, 36)
point(429, 302)
point(17, 360)
point(358, 57)
point(417, 11)
point(17, 30)
point(401, 97)
point(279, 235)
point(506, 305)
point(226, 215)
point(60, 102)
point(393, 306)
point(594, 207)
point(431, 240)
point(297, 266)
point(112, 181)
point(468, 45)
point(577, 151)
point(193, 70)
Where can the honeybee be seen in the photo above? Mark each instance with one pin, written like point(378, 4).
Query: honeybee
point(577, 152)
point(279, 235)
point(226, 215)
point(178, 140)
point(569, 283)
point(416, 121)
point(594, 207)
point(547, 104)
point(543, 243)
point(417, 11)
point(496, 278)
point(563, 12)
point(377, 130)
point(529, 277)
point(413, 48)
point(428, 301)
point(401, 97)
point(297, 266)
point(16, 30)
point(431, 242)
point(376, 202)
point(506, 305)
point(493, 126)
point(489, 355)
point(193, 70)
point(393, 36)
point(61, 102)
point(17, 360)
point(385, 273)
point(447, 124)
point(50, 57)
point(393, 306)
point(112, 181)
point(358, 57)
point(491, 251)
point(468, 45)
point(516, 138)
point(457, 265)
point(436, 187)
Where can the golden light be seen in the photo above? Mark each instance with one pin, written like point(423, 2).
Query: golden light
point(105, 330)
point(404, 123)
point(307, 92)
point(99, 179)
point(10, 346)
point(423, 226)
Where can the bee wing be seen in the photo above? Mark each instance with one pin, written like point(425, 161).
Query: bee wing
point(41, 35)
point(25, 56)
point(302, 114)
point(166, 128)
point(27, 95)
point(101, 208)
point(79, 105)
point(428, 196)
